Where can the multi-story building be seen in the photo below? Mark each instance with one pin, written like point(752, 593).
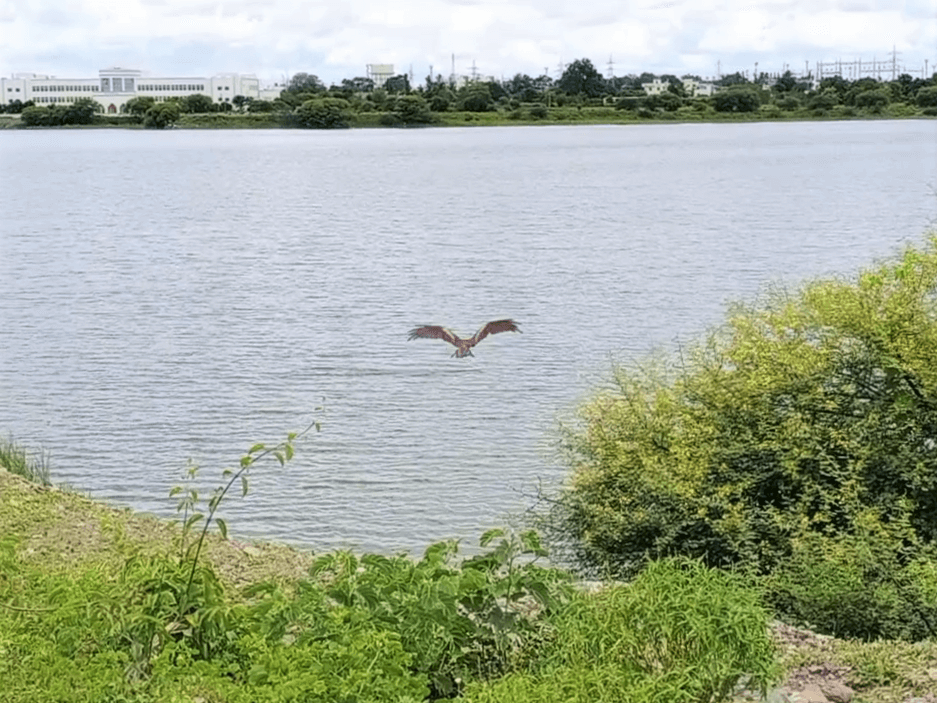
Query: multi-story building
point(692, 87)
point(114, 87)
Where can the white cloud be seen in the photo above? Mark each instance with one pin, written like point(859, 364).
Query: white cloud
point(336, 38)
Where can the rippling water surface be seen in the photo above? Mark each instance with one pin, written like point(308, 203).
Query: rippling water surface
point(182, 295)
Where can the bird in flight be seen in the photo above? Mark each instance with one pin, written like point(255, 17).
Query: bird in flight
point(463, 346)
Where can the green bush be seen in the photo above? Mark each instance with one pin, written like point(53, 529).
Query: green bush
point(679, 632)
point(927, 97)
point(806, 414)
point(872, 100)
point(856, 587)
point(737, 100)
point(161, 115)
point(323, 113)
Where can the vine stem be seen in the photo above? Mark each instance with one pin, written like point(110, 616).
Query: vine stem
point(247, 461)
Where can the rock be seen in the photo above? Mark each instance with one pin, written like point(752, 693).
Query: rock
point(812, 694)
point(837, 692)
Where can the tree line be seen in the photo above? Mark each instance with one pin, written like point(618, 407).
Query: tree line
point(307, 102)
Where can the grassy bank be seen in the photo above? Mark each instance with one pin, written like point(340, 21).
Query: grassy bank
point(524, 115)
point(92, 608)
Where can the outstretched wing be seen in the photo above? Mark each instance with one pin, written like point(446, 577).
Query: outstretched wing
point(493, 328)
point(434, 332)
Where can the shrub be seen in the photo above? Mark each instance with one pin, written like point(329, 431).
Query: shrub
point(679, 632)
point(872, 100)
point(803, 415)
point(736, 100)
point(539, 111)
point(927, 97)
point(161, 115)
point(789, 103)
point(411, 110)
point(323, 113)
point(856, 587)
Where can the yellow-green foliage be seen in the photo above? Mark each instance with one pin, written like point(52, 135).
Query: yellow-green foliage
point(679, 633)
point(812, 412)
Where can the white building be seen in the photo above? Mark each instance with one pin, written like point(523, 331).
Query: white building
point(114, 87)
point(380, 72)
point(693, 88)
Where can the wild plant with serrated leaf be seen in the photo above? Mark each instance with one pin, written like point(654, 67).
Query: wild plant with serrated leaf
point(183, 600)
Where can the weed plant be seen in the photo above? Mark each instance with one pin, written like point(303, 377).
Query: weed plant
point(32, 466)
point(678, 632)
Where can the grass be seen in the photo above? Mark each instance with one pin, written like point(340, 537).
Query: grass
point(87, 614)
point(33, 466)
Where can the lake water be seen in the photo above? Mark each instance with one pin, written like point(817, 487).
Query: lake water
point(178, 295)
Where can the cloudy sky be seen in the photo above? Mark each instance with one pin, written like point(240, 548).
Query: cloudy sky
point(335, 39)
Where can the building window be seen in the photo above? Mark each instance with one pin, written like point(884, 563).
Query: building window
point(106, 85)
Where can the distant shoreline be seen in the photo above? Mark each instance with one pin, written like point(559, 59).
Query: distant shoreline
point(556, 116)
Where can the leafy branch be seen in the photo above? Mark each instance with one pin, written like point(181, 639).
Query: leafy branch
point(282, 452)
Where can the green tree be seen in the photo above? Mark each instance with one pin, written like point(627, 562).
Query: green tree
point(411, 110)
point(35, 116)
point(786, 83)
point(733, 79)
point(737, 99)
point(858, 87)
point(161, 115)
point(442, 100)
point(305, 83)
point(261, 106)
point(581, 78)
point(241, 102)
point(837, 83)
point(358, 84)
point(138, 105)
point(323, 113)
point(15, 107)
point(872, 100)
point(197, 102)
point(476, 97)
point(927, 97)
point(666, 101)
point(789, 102)
point(82, 111)
point(823, 100)
point(810, 416)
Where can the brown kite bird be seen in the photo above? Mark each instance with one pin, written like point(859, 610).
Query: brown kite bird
point(463, 346)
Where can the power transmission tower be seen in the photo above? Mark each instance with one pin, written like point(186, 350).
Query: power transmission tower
point(611, 67)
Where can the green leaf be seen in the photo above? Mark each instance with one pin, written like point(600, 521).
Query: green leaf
point(244, 486)
point(223, 527)
point(175, 490)
point(289, 452)
point(194, 518)
point(531, 541)
point(491, 534)
point(279, 456)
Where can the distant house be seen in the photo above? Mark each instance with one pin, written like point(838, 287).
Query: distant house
point(655, 87)
point(699, 89)
point(115, 87)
